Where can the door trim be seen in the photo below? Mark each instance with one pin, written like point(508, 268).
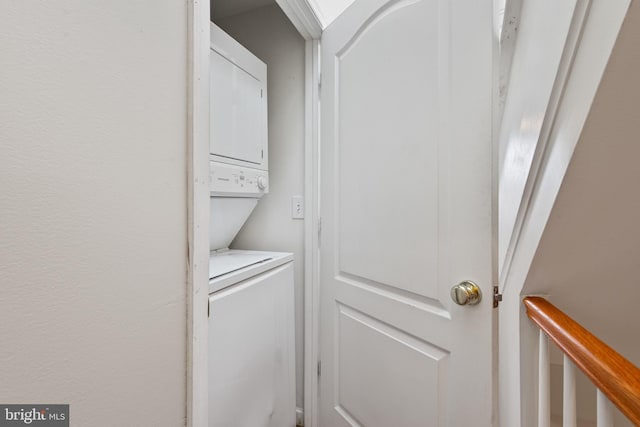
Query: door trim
point(311, 233)
point(308, 25)
point(302, 17)
point(197, 213)
point(574, 35)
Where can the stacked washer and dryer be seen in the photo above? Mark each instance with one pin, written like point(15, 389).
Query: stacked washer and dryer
point(251, 301)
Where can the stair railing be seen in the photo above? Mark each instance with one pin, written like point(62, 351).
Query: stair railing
point(617, 380)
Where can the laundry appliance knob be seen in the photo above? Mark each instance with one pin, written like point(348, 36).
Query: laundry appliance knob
point(262, 182)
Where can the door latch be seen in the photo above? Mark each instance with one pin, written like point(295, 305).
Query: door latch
point(497, 297)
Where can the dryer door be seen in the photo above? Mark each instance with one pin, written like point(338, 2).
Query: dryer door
point(238, 104)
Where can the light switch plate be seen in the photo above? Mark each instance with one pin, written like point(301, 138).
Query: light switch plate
point(297, 207)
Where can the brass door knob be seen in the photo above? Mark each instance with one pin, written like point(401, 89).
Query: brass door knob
point(466, 293)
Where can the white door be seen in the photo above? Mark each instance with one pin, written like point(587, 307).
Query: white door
point(406, 208)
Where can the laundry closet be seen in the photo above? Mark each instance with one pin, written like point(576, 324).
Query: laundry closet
point(257, 215)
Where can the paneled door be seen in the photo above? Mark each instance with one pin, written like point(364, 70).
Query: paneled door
point(406, 211)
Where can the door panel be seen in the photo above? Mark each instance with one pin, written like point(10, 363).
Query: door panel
point(364, 345)
point(389, 163)
point(406, 207)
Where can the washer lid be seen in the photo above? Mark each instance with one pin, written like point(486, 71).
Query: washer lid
point(227, 262)
point(231, 272)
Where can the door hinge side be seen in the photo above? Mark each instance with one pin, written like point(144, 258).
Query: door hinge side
point(319, 230)
point(319, 368)
point(208, 308)
point(497, 297)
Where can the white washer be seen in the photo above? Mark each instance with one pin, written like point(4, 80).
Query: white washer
point(251, 340)
point(251, 318)
point(251, 312)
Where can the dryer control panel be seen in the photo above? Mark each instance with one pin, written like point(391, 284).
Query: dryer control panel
point(237, 181)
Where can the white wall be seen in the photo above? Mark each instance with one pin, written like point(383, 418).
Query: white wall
point(517, 336)
point(541, 38)
point(93, 202)
point(328, 10)
point(270, 36)
point(588, 256)
point(587, 260)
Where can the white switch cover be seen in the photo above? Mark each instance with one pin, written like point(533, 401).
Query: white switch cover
point(297, 207)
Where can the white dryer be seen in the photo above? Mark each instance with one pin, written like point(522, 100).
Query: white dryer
point(238, 105)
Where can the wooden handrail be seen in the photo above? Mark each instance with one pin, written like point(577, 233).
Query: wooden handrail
point(614, 375)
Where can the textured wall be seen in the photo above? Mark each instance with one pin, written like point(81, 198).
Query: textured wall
point(93, 208)
point(271, 37)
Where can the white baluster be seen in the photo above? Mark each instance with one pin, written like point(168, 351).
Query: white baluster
point(605, 411)
point(544, 393)
point(569, 416)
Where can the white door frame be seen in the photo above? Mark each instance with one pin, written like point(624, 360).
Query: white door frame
point(311, 233)
point(308, 25)
point(304, 19)
point(197, 212)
